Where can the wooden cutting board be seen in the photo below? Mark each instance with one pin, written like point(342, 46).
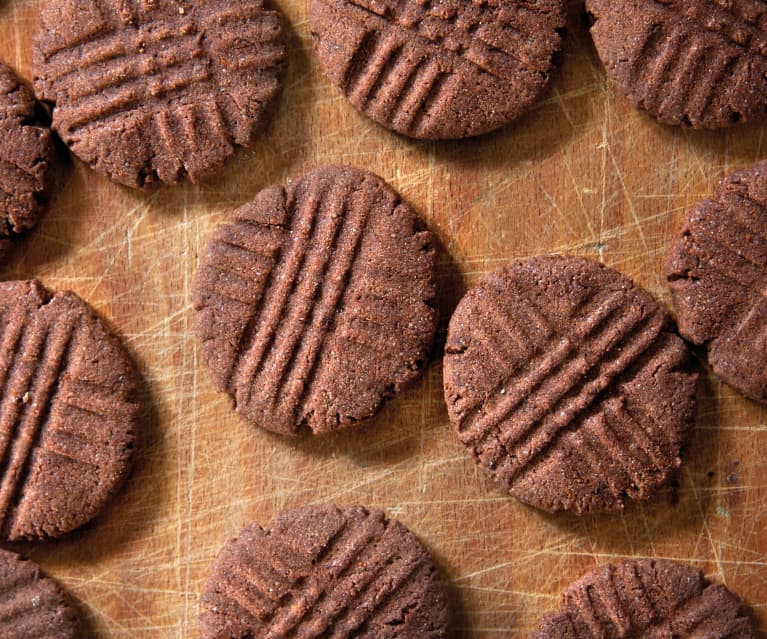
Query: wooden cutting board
point(583, 173)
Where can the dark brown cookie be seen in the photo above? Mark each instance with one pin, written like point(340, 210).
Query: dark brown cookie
point(717, 274)
point(26, 160)
point(568, 384)
point(324, 571)
point(438, 69)
point(148, 91)
point(317, 302)
point(33, 606)
point(646, 598)
point(68, 412)
point(698, 63)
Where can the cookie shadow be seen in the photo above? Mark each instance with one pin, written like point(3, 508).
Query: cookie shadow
point(451, 286)
point(86, 615)
point(741, 144)
point(759, 624)
point(459, 619)
point(391, 436)
point(682, 505)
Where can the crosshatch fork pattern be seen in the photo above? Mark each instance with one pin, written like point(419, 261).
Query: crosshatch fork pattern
point(645, 598)
point(343, 580)
point(583, 173)
point(408, 63)
point(184, 82)
point(472, 31)
point(567, 393)
point(333, 271)
point(688, 62)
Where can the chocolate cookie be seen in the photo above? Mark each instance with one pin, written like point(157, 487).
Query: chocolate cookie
point(68, 411)
point(33, 606)
point(687, 62)
point(568, 384)
point(646, 598)
point(26, 160)
point(717, 274)
point(317, 301)
point(324, 571)
point(148, 91)
point(438, 69)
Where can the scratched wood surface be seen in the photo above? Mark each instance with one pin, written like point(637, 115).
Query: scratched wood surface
point(583, 173)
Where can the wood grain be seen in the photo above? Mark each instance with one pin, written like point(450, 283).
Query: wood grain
point(582, 173)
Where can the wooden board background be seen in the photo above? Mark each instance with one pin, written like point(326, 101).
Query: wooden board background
point(582, 173)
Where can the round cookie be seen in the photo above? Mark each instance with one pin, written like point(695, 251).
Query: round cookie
point(155, 91)
point(26, 160)
point(717, 273)
point(568, 385)
point(686, 62)
point(33, 605)
point(324, 571)
point(317, 301)
point(438, 69)
point(646, 598)
point(68, 412)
